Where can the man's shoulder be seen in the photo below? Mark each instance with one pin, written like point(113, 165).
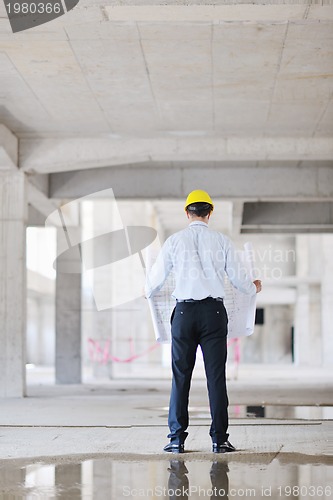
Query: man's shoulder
point(177, 235)
point(211, 234)
point(219, 235)
point(187, 230)
point(172, 238)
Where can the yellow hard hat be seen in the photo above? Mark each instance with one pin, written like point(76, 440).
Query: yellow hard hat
point(197, 196)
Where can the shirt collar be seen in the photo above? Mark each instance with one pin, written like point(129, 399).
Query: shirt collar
point(198, 223)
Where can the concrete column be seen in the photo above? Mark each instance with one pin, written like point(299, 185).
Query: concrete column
point(302, 325)
point(276, 335)
point(301, 318)
point(308, 337)
point(327, 300)
point(104, 480)
point(68, 319)
point(13, 216)
point(68, 481)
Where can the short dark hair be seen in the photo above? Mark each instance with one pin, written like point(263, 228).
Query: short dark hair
point(200, 209)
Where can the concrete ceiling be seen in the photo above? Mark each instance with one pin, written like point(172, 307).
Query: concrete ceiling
point(114, 83)
point(178, 77)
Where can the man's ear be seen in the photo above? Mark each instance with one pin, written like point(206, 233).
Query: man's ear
point(187, 214)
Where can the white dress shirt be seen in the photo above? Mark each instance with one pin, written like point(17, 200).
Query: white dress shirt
point(199, 257)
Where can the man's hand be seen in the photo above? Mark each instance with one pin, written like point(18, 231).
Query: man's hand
point(258, 285)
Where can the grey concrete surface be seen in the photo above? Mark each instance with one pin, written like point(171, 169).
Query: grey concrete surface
point(129, 418)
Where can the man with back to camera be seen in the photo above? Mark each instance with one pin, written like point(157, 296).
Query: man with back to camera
point(199, 258)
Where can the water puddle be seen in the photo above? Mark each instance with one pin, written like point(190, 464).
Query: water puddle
point(264, 411)
point(257, 476)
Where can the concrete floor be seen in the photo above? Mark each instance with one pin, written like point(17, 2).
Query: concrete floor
point(122, 425)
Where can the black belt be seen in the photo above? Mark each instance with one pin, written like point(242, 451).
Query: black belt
point(218, 299)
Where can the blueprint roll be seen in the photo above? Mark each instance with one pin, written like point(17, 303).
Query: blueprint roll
point(161, 304)
point(26, 14)
point(251, 315)
point(241, 308)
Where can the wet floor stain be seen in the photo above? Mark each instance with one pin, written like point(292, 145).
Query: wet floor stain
point(286, 476)
point(263, 411)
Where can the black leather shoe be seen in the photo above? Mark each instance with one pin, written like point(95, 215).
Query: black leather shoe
point(174, 448)
point(225, 447)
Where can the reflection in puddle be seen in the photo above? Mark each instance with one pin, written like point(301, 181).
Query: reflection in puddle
point(265, 411)
point(257, 476)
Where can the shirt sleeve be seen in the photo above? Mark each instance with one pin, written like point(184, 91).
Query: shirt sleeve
point(237, 271)
point(159, 272)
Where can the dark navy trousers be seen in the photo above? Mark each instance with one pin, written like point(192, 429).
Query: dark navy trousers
point(203, 323)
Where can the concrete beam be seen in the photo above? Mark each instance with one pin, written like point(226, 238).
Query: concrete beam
point(41, 182)
point(264, 182)
point(313, 217)
point(38, 199)
point(287, 230)
point(198, 10)
point(60, 155)
point(84, 4)
point(181, 11)
point(288, 213)
point(41, 206)
point(35, 218)
point(8, 149)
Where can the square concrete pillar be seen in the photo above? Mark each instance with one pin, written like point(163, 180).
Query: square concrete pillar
point(327, 300)
point(68, 481)
point(68, 317)
point(13, 217)
point(308, 337)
